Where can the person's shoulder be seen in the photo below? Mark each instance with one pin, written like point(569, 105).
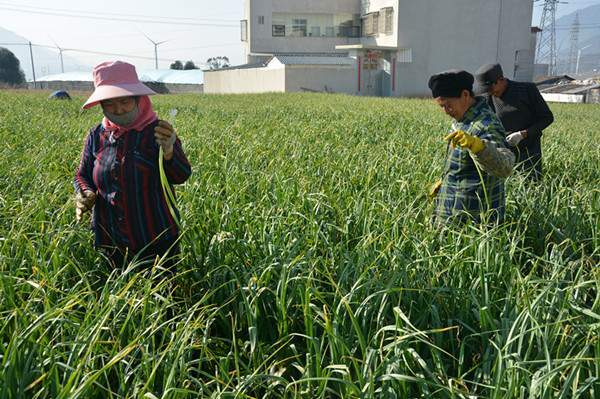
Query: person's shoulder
point(486, 97)
point(488, 120)
point(529, 86)
point(96, 130)
point(486, 112)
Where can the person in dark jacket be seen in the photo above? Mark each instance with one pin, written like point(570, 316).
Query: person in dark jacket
point(523, 112)
point(118, 176)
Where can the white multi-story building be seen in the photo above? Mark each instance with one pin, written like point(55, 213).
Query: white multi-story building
point(388, 47)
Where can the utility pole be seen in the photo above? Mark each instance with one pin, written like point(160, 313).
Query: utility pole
point(573, 56)
point(546, 50)
point(32, 65)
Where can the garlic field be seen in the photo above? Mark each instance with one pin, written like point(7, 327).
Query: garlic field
point(309, 266)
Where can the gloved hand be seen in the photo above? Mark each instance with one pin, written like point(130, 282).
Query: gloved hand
point(514, 139)
point(84, 202)
point(165, 137)
point(465, 140)
point(434, 189)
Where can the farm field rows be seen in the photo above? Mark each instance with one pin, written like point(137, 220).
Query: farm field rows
point(310, 268)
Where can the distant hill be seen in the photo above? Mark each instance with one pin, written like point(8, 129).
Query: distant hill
point(589, 34)
point(47, 61)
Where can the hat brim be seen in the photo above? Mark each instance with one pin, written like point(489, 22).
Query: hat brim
point(107, 92)
point(480, 89)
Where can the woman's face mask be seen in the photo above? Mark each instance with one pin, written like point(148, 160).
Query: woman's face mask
point(121, 111)
point(124, 119)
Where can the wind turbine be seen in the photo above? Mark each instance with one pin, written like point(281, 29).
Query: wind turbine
point(60, 51)
point(156, 44)
point(579, 56)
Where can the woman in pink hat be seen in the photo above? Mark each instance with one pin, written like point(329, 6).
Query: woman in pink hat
point(118, 176)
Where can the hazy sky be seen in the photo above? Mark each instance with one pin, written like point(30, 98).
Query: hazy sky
point(563, 9)
point(193, 29)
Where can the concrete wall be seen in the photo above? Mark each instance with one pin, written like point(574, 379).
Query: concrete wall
point(280, 78)
point(332, 79)
point(459, 34)
point(525, 62)
point(593, 97)
point(251, 80)
point(162, 88)
point(175, 88)
point(60, 85)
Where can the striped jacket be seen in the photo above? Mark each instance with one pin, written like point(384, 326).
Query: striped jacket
point(130, 210)
point(473, 184)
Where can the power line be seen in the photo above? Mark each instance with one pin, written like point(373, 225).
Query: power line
point(580, 28)
point(97, 13)
point(74, 50)
point(121, 55)
point(94, 52)
point(107, 18)
point(200, 47)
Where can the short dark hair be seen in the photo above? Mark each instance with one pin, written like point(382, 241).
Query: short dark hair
point(451, 83)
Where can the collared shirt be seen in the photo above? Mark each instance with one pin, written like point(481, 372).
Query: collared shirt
point(473, 184)
point(522, 107)
point(130, 209)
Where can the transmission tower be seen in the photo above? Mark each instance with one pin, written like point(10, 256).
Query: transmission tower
point(546, 50)
point(574, 44)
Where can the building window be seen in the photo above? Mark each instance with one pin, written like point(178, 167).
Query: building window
point(367, 25)
point(375, 23)
point(317, 25)
point(299, 27)
point(261, 19)
point(388, 20)
point(244, 28)
point(371, 24)
point(278, 30)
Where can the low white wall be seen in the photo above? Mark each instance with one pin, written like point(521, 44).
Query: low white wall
point(320, 78)
point(252, 80)
point(336, 79)
point(564, 98)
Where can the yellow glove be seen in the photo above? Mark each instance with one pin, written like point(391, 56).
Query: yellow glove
point(434, 189)
point(465, 140)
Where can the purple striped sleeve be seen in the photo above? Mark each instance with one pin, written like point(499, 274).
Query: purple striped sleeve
point(178, 168)
point(83, 177)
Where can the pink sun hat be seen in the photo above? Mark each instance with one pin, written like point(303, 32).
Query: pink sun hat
point(115, 79)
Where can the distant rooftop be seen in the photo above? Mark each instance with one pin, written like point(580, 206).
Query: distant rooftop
point(167, 76)
point(314, 60)
point(571, 88)
point(298, 59)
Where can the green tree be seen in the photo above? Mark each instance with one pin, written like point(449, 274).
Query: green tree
point(10, 68)
point(178, 65)
point(217, 62)
point(190, 65)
